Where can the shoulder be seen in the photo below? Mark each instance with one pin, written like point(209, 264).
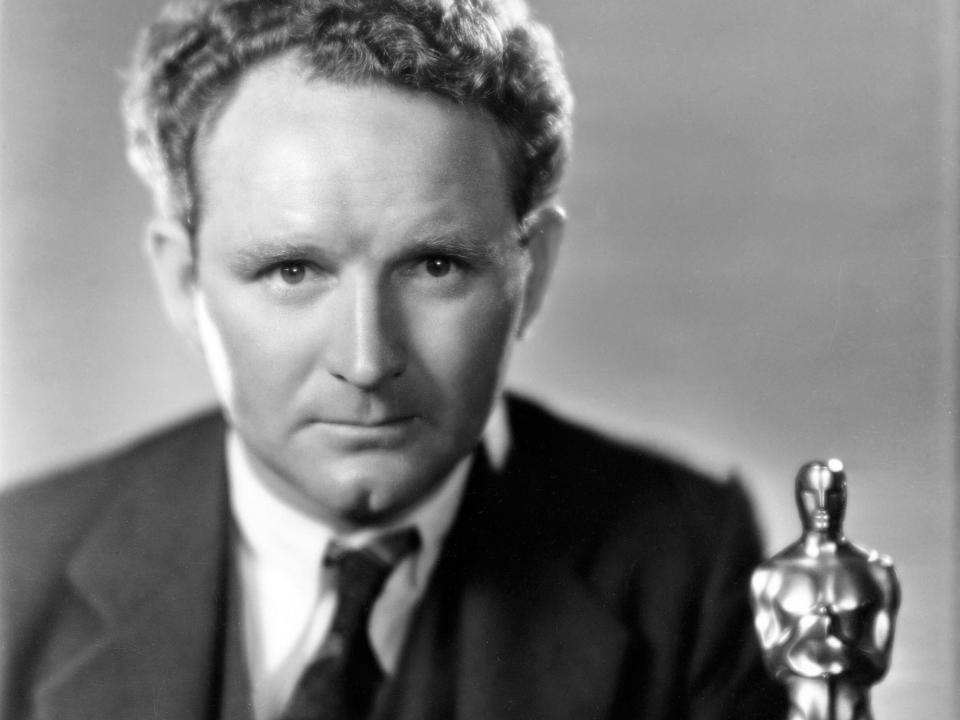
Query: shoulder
point(69, 490)
point(635, 521)
point(666, 549)
point(43, 518)
point(585, 468)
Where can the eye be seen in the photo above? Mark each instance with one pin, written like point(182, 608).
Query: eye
point(438, 266)
point(439, 272)
point(292, 273)
point(291, 279)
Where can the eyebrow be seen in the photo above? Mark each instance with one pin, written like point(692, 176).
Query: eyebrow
point(480, 251)
point(270, 252)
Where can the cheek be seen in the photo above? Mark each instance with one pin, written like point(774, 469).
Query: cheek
point(215, 343)
point(464, 347)
point(809, 503)
point(251, 358)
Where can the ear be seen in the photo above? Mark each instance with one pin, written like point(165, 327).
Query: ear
point(171, 257)
point(543, 231)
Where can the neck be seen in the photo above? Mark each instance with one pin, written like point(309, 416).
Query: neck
point(817, 542)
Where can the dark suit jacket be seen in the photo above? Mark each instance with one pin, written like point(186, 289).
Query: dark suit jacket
point(585, 580)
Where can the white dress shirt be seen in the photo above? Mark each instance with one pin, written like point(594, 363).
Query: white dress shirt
point(288, 601)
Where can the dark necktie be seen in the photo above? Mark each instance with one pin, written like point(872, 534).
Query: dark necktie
point(341, 682)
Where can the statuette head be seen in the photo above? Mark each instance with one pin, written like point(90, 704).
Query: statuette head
point(821, 491)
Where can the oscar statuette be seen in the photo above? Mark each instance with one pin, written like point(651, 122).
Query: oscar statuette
point(825, 608)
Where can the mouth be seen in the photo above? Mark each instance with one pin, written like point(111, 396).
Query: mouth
point(357, 434)
point(366, 423)
point(821, 519)
point(352, 436)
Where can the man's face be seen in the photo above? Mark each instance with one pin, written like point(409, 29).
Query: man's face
point(359, 281)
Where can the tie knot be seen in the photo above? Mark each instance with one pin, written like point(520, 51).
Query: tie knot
point(387, 550)
point(362, 572)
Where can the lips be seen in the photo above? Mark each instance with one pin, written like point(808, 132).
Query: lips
point(366, 422)
point(352, 435)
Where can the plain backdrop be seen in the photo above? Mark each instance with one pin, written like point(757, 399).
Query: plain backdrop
point(760, 268)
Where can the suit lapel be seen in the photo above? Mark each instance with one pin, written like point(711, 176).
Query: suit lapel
point(507, 629)
point(149, 583)
point(544, 651)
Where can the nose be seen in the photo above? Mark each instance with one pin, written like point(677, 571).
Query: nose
point(365, 345)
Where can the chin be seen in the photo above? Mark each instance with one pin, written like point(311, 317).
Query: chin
point(372, 496)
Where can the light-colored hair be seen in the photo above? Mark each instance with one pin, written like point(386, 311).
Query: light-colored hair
point(487, 54)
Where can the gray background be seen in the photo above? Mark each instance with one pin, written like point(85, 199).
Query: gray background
point(760, 267)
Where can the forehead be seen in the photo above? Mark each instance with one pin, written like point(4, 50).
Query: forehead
point(289, 141)
point(821, 478)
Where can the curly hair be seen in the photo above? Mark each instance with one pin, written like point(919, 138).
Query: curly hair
point(484, 53)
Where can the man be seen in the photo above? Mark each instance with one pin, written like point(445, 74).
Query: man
point(355, 222)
